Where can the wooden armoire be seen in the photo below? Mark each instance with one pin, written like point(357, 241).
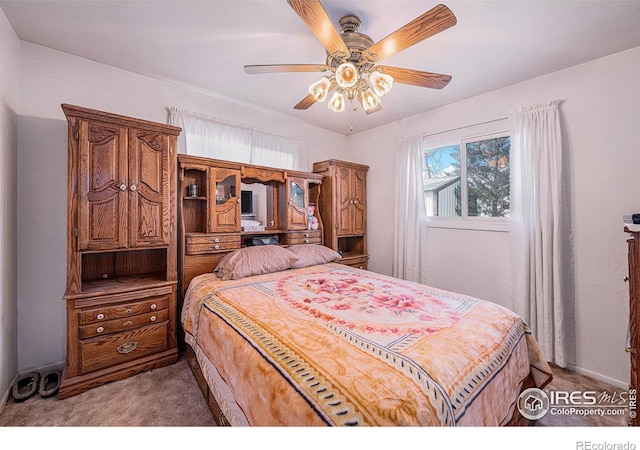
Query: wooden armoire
point(343, 207)
point(121, 248)
point(634, 321)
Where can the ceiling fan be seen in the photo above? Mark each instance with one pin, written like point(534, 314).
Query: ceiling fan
point(352, 57)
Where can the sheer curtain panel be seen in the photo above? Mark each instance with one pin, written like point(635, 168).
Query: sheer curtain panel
point(213, 138)
point(409, 253)
point(542, 268)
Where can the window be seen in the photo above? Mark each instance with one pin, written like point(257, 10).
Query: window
point(479, 187)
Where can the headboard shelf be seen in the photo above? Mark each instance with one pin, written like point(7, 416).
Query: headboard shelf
point(210, 213)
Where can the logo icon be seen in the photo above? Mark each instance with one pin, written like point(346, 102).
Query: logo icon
point(533, 403)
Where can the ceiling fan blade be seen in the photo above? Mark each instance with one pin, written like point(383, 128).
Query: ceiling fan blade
point(417, 77)
point(430, 23)
point(314, 15)
point(306, 102)
point(280, 68)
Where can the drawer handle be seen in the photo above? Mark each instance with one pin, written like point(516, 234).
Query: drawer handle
point(100, 329)
point(100, 316)
point(306, 241)
point(127, 347)
point(153, 306)
point(306, 235)
point(217, 247)
point(216, 240)
point(152, 318)
point(128, 323)
point(128, 311)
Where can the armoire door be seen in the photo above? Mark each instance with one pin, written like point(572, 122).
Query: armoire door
point(148, 189)
point(358, 205)
point(102, 186)
point(345, 201)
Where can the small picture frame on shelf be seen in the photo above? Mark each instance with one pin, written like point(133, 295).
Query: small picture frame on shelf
point(221, 193)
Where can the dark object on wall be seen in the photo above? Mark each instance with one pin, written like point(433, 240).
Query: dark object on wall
point(270, 240)
point(246, 202)
point(635, 218)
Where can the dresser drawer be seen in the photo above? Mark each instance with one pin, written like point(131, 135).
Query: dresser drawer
point(359, 262)
point(211, 244)
point(107, 313)
point(123, 324)
point(302, 237)
point(101, 352)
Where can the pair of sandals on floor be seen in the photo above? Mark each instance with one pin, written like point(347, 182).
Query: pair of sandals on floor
point(27, 385)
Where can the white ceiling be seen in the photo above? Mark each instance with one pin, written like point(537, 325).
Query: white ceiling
point(205, 44)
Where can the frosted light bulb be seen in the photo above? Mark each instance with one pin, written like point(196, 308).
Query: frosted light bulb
point(337, 102)
point(381, 83)
point(320, 89)
point(346, 75)
point(369, 100)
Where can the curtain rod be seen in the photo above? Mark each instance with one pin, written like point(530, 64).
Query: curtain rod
point(425, 135)
point(229, 123)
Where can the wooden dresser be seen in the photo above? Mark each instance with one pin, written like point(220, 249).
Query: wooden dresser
point(121, 248)
point(634, 321)
point(343, 207)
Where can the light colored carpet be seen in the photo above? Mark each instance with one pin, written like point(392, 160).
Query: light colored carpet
point(169, 396)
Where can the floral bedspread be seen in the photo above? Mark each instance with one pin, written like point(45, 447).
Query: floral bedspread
point(334, 345)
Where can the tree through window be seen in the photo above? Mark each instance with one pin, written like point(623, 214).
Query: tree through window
point(486, 188)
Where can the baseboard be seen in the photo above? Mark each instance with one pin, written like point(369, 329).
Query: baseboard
point(599, 376)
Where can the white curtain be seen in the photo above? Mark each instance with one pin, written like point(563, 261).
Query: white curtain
point(277, 151)
point(542, 268)
point(214, 138)
point(409, 231)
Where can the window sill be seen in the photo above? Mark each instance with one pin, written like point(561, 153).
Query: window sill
point(478, 224)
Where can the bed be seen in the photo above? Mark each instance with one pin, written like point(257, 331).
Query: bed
point(289, 337)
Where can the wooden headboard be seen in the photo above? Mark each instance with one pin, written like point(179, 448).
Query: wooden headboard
point(209, 214)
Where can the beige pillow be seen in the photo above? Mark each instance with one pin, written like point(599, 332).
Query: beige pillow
point(256, 260)
point(312, 254)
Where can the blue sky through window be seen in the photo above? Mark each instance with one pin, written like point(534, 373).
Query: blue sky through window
point(439, 162)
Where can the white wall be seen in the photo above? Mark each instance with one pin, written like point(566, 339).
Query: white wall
point(9, 49)
point(47, 79)
point(602, 115)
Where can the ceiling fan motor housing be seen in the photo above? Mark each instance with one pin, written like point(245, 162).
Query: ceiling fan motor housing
point(355, 41)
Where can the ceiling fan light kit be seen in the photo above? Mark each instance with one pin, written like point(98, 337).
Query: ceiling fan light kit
point(337, 102)
point(320, 89)
point(352, 57)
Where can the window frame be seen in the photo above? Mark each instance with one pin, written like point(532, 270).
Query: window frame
point(466, 222)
